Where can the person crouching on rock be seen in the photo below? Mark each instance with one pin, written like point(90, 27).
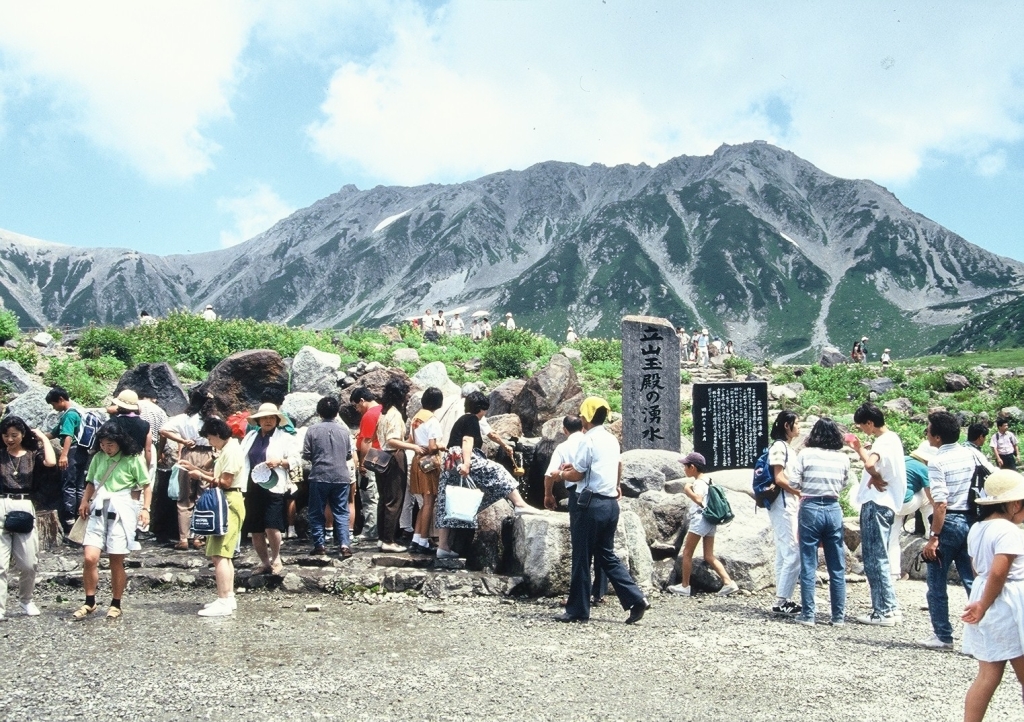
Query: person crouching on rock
point(116, 482)
point(227, 474)
point(696, 488)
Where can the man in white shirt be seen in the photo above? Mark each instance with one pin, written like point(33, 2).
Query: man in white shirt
point(427, 322)
point(597, 471)
point(880, 494)
point(702, 348)
point(456, 326)
point(1004, 446)
point(510, 323)
point(209, 314)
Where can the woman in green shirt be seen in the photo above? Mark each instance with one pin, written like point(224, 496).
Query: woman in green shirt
point(117, 481)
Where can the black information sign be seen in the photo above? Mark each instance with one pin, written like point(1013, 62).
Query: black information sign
point(730, 423)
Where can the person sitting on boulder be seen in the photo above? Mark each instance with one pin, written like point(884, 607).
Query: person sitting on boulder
point(700, 529)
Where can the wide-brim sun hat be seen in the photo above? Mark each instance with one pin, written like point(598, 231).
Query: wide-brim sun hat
point(127, 400)
point(590, 406)
point(924, 452)
point(1003, 485)
point(266, 410)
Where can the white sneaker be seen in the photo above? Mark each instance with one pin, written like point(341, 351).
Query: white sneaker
point(680, 590)
point(728, 589)
point(30, 609)
point(393, 548)
point(933, 642)
point(232, 602)
point(897, 615)
point(219, 608)
point(877, 620)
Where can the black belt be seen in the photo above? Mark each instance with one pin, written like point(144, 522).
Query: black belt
point(5, 495)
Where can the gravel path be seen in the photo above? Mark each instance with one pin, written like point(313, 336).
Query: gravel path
point(408, 658)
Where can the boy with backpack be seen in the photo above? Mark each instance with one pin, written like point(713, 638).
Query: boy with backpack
point(73, 459)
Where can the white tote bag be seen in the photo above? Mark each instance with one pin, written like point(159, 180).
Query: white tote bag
point(461, 503)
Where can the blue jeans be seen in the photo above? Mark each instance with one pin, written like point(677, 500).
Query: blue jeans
point(821, 522)
point(952, 548)
point(875, 526)
point(320, 494)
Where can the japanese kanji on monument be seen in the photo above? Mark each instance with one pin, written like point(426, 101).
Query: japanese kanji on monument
point(650, 384)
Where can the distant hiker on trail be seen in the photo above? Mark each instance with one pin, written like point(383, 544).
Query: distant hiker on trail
point(441, 323)
point(475, 332)
point(456, 327)
point(570, 336)
point(886, 359)
point(485, 328)
point(209, 314)
point(428, 321)
point(859, 351)
point(729, 349)
point(703, 357)
point(146, 320)
point(1004, 445)
point(510, 323)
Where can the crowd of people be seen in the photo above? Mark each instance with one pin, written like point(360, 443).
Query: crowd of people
point(700, 348)
point(479, 328)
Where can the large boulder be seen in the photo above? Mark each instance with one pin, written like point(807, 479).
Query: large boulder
point(488, 550)
point(542, 553)
point(406, 355)
point(879, 386)
point(374, 379)
point(391, 333)
point(155, 381)
point(552, 392)
point(956, 382)
point(32, 407)
point(902, 406)
point(664, 516)
point(237, 382)
point(507, 426)
point(16, 378)
point(831, 356)
point(435, 374)
point(640, 476)
point(315, 371)
point(301, 407)
point(745, 546)
point(667, 462)
point(782, 392)
point(504, 396)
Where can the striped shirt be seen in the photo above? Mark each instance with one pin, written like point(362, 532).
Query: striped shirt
point(949, 475)
point(820, 472)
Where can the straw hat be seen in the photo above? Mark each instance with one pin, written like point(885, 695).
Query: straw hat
point(269, 410)
point(1003, 485)
point(127, 400)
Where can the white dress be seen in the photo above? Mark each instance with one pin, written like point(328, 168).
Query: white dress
point(1000, 634)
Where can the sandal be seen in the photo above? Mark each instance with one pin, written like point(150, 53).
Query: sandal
point(83, 611)
point(181, 546)
point(277, 568)
point(113, 613)
point(198, 542)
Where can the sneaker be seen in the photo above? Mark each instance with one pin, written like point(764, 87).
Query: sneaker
point(232, 602)
point(804, 621)
point(320, 551)
point(877, 620)
point(787, 608)
point(680, 590)
point(728, 589)
point(219, 608)
point(837, 623)
point(934, 642)
point(30, 609)
point(897, 615)
point(393, 548)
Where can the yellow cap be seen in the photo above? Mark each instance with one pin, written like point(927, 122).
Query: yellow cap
point(590, 406)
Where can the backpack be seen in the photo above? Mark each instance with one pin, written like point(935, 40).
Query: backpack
point(716, 508)
point(210, 516)
point(975, 491)
point(765, 490)
point(86, 437)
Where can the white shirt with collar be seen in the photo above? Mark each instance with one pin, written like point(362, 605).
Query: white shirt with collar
point(565, 453)
point(892, 467)
point(598, 460)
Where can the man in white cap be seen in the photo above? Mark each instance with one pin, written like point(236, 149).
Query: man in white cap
point(510, 323)
point(208, 314)
point(596, 470)
point(703, 358)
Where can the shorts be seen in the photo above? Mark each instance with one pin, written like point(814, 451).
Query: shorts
point(111, 535)
point(701, 526)
point(263, 510)
point(225, 545)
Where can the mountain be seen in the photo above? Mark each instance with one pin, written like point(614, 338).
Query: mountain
point(1002, 327)
point(752, 242)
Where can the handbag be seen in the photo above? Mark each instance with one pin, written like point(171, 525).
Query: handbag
point(429, 463)
point(210, 516)
point(377, 460)
point(173, 488)
point(461, 503)
point(19, 522)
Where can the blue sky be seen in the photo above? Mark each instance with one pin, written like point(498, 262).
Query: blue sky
point(187, 126)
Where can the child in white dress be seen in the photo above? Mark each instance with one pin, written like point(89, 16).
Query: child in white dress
point(994, 616)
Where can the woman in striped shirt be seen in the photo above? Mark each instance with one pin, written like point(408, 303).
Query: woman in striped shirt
point(820, 474)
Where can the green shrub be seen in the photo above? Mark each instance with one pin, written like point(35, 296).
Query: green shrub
point(739, 364)
point(74, 377)
point(107, 341)
point(105, 368)
point(1010, 392)
point(8, 326)
point(508, 353)
point(599, 349)
point(26, 356)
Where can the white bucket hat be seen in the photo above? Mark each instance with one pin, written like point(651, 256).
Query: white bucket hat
point(1003, 485)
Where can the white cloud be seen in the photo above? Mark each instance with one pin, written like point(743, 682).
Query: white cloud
point(252, 213)
point(141, 79)
point(862, 90)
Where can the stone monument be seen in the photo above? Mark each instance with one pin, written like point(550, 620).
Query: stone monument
point(730, 423)
point(650, 384)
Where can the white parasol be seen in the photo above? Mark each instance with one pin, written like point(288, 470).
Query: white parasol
point(477, 314)
point(460, 309)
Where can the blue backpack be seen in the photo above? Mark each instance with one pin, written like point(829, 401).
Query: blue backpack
point(765, 490)
point(91, 423)
point(210, 516)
